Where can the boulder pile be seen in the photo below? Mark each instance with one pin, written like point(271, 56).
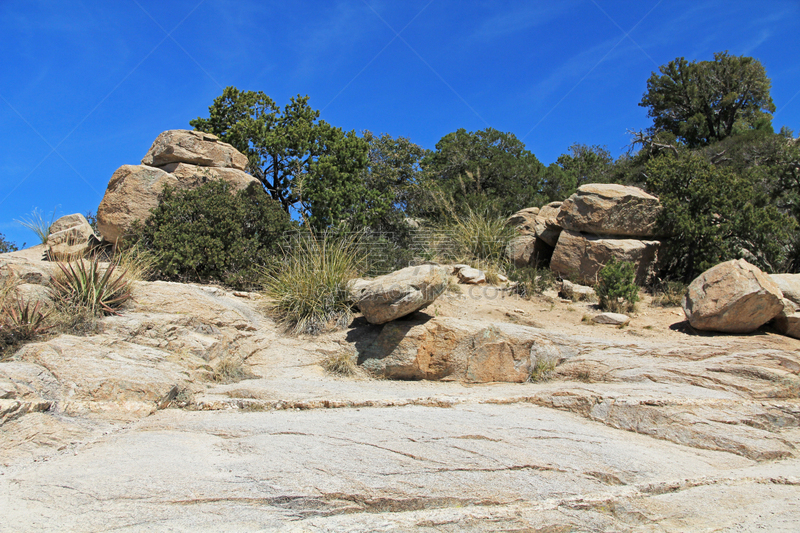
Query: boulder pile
point(602, 222)
point(70, 236)
point(538, 233)
point(182, 159)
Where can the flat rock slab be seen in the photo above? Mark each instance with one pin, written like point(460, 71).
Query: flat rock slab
point(613, 319)
point(470, 467)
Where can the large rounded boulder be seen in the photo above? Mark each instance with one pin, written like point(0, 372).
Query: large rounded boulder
point(400, 293)
point(610, 209)
point(195, 148)
point(732, 297)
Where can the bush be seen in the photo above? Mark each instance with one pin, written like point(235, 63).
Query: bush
point(308, 289)
point(531, 281)
point(616, 289)
point(6, 246)
point(712, 214)
point(209, 234)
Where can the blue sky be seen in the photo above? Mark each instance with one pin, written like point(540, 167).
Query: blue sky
point(88, 85)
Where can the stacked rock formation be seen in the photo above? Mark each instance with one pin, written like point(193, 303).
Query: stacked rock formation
point(538, 233)
point(70, 237)
point(602, 222)
point(181, 159)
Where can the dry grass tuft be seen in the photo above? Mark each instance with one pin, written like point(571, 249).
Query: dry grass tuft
point(342, 363)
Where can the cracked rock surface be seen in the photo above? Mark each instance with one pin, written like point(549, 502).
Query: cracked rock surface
point(649, 428)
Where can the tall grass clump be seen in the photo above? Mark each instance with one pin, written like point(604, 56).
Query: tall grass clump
point(37, 223)
point(478, 238)
point(669, 293)
point(307, 291)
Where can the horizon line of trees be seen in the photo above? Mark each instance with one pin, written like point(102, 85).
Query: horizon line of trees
point(729, 183)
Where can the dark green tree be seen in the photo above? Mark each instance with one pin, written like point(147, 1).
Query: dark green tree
point(6, 246)
point(703, 102)
point(481, 170)
point(303, 162)
point(712, 214)
point(210, 234)
point(588, 164)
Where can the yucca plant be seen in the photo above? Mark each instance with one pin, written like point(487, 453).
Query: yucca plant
point(85, 284)
point(307, 291)
point(24, 322)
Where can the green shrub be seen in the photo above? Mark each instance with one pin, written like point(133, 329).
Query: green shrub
point(616, 288)
point(6, 246)
point(209, 234)
point(531, 281)
point(307, 291)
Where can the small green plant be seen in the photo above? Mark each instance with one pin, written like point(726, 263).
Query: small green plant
point(307, 291)
point(669, 293)
point(616, 288)
point(542, 370)
point(531, 281)
point(342, 362)
point(37, 223)
point(85, 284)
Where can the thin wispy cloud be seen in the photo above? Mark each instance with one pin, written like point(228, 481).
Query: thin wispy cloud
point(522, 18)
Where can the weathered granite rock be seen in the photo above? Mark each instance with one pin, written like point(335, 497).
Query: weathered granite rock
point(70, 221)
point(400, 293)
point(195, 148)
point(789, 284)
point(550, 210)
point(573, 291)
point(732, 297)
point(611, 210)
point(70, 236)
point(788, 320)
point(547, 230)
point(190, 176)
point(583, 256)
point(520, 250)
point(131, 194)
point(523, 220)
point(471, 276)
point(613, 319)
point(28, 266)
point(134, 190)
point(452, 349)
